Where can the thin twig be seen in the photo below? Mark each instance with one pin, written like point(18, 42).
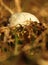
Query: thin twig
point(6, 7)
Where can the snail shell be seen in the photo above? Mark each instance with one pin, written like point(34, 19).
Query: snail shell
point(22, 18)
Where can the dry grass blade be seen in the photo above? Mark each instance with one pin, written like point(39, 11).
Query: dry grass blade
point(40, 37)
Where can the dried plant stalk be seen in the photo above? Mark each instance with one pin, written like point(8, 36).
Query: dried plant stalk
point(17, 4)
